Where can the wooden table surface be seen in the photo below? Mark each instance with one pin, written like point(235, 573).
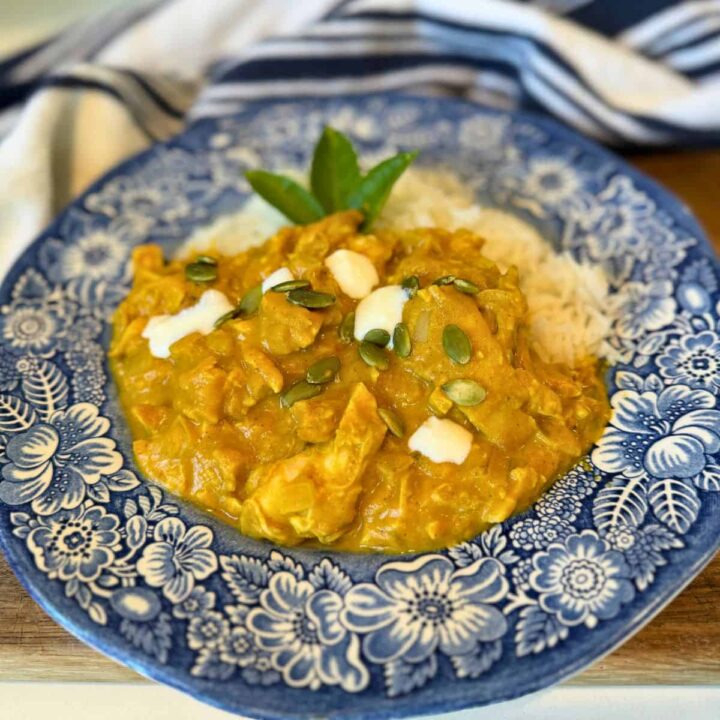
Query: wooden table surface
point(680, 646)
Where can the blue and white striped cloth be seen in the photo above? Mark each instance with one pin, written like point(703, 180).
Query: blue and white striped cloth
point(627, 72)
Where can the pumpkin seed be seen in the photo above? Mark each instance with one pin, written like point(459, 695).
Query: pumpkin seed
point(466, 286)
point(464, 392)
point(322, 371)
point(445, 280)
point(289, 285)
point(377, 336)
point(373, 355)
point(456, 344)
point(206, 260)
point(346, 329)
point(392, 420)
point(231, 315)
point(299, 391)
point(250, 301)
point(401, 340)
point(411, 285)
point(311, 299)
point(200, 272)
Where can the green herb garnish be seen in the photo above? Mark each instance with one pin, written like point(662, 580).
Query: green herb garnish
point(372, 192)
point(290, 198)
point(335, 171)
point(336, 183)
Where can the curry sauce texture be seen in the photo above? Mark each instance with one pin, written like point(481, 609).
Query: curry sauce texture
point(221, 422)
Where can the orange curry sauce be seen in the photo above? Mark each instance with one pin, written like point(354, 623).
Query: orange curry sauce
point(208, 423)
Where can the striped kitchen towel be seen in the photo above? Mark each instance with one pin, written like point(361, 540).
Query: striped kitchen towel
point(627, 72)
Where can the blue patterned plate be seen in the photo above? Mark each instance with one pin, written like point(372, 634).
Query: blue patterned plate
point(274, 633)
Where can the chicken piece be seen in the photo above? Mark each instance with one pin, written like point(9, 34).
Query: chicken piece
point(314, 493)
point(149, 418)
point(432, 309)
point(316, 419)
point(162, 457)
point(503, 425)
point(200, 392)
point(264, 369)
point(285, 328)
point(314, 242)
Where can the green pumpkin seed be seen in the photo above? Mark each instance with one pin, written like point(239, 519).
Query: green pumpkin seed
point(445, 280)
point(311, 299)
point(464, 392)
point(373, 355)
point(289, 285)
point(411, 285)
point(299, 391)
point(401, 340)
point(377, 336)
point(200, 272)
point(250, 301)
point(346, 329)
point(466, 286)
point(206, 260)
point(231, 315)
point(456, 344)
point(322, 371)
point(392, 420)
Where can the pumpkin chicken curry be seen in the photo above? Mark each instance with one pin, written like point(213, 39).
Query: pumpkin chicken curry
point(366, 391)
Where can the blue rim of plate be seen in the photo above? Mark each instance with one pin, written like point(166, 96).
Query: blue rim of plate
point(275, 633)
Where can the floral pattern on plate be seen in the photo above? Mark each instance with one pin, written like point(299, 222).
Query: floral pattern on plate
point(268, 632)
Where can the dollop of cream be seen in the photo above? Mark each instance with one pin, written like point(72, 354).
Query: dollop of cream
point(353, 272)
point(382, 308)
point(164, 330)
point(442, 440)
point(280, 275)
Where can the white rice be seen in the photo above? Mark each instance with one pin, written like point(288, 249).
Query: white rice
point(567, 300)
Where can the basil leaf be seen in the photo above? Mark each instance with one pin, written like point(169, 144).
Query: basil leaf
point(334, 171)
point(291, 199)
point(371, 193)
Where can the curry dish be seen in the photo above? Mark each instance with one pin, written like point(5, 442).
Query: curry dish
point(230, 420)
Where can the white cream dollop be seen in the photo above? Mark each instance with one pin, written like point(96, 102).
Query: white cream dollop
point(280, 275)
point(164, 330)
point(353, 272)
point(442, 440)
point(382, 308)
